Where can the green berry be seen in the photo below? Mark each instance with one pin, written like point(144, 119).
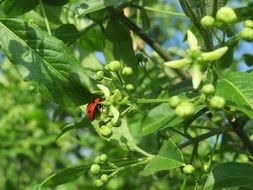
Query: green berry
point(99, 75)
point(95, 169)
point(174, 101)
point(98, 183)
point(208, 89)
point(207, 21)
point(104, 178)
point(226, 15)
point(103, 157)
point(106, 131)
point(185, 109)
point(247, 34)
point(130, 87)
point(97, 160)
point(188, 169)
point(217, 102)
point(248, 23)
point(127, 71)
point(114, 66)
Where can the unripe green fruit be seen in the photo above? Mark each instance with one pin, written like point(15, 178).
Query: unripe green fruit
point(185, 109)
point(95, 169)
point(106, 131)
point(247, 34)
point(174, 101)
point(207, 21)
point(217, 102)
point(97, 160)
point(98, 183)
point(99, 75)
point(127, 71)
point(208, 89)
point(248, 23)
point(103, 157)
point(226, 15)
point(104, 178)
point(114, 66)
point(188, 169)
point(130, 87)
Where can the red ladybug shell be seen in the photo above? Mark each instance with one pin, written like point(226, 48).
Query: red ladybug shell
point(92, 107)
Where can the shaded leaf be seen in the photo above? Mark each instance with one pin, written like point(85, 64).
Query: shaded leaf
point(230, 175)
point(55, 3)
point(65, 176)
point(68, 33)
point(115, 48)
point(90, 6)
point(46, 62)
point(145, 20)
point(248, 58)
point(18, 7)
point(76, 125)
point(169, 157)
point(236, 88)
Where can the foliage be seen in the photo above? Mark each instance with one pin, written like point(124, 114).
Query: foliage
point(127, 94)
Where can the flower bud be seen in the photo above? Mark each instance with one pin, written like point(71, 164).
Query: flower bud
point(192, 41)
point(217, 102)
point(104, 89)
point(185, 109)
point(115, 113)
point(174, 101)
point(99, 75)
point(248, 24)
point(208, 89)
point(97, 160)
point(214, 55)
point(196, 75)
point(98, 183)
point(207, 22)
point(104, 178)
point(116, 95)
point(95, 169)
point(105, 131)
point(177, 64)
point(188, 169)
point(247, 34)
point(103, 157)
point(114, 66)
point(130, 87)
point(217, 118)
point(127, 71)
point(226, 15)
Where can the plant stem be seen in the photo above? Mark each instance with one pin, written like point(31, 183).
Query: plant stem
point(156, 47)
point(148, 101)
point(202, 137)
point(184, 183)
point(45, 18)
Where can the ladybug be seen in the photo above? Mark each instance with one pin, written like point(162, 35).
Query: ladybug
point(92, 107)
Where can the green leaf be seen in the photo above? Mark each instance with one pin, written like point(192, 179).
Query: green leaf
point(76, 125)
point(90, 6)
point(236, 88)
point(115, 48)
point(230, 175)
point(145, 20)
point(68, 33)
point(55, 3)
point(159, 117)
point(65, 176)
point(18, 7)
point(46, 62)
point(248, 58)
point(169, 157)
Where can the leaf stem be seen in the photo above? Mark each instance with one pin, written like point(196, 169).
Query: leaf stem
point(45, 18)
point(202, 137)
point(148, 101)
